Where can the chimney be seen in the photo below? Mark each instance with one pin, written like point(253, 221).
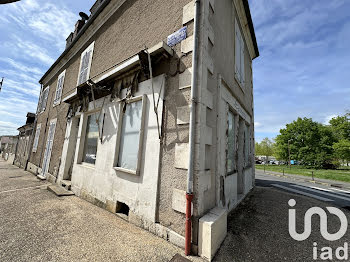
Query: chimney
point(78, 25)
point(69, 39)
point(95, 6)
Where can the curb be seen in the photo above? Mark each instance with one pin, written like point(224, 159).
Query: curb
point(308, 180)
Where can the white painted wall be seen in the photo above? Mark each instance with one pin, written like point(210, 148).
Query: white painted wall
point(101, 180)
point(226, 101)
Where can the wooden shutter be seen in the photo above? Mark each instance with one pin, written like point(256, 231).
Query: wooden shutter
point(59, 88)
point(85, 66)
point(36, 138)
point(44, 102)
point(237, 52)
point(242, 60)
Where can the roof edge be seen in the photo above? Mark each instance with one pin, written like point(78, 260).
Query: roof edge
point(251, 26)
point(81, 32)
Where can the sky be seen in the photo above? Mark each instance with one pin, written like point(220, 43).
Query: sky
point(32, 37)
point(303, 69)
point(304, 64)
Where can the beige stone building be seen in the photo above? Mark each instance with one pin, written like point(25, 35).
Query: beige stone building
point(150, 102)
point(23, 147)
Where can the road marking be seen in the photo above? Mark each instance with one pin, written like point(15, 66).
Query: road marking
point(318, 190)
point(302, 193)
point(341, 190)
point(26, 188)
point(332, 190)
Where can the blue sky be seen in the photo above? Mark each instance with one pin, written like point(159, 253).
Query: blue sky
point(304, 64)
point(303, 68)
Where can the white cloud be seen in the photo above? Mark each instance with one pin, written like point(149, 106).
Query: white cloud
point(303, 66)
point(328, 118)
point(257, 124)
point(25, 87)
point(22, 67)
point(52, 22)
point(33, 34)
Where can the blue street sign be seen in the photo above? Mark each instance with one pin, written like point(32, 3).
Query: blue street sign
point(177, 37)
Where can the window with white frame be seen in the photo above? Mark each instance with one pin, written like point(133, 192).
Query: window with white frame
point(130, 135)
point(239, 55)
point(59, 88)
point(230, 153)
point(91, 139)
point(43, 99)
point(85, 64)
point(36, 138)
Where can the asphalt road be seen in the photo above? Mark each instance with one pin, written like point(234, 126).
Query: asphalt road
point(329, 194)
point(258, 229)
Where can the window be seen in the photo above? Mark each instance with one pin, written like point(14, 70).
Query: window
point(91, 139)
point(131, 136)
point(230, 161)
point(239, 55)
point(85, 64)
point(59, 88)
point(43, 100)
point(246, 145)
point(36, 138)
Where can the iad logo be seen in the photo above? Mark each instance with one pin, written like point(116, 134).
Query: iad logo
point(327, 252)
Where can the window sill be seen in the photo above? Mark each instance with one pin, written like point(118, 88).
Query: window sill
point(83, 164)
point(232, 173)
point(56, 104)
point(124, 170)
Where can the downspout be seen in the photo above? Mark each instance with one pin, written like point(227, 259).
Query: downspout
point(194, 85)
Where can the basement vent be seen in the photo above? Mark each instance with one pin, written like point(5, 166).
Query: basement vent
point(122, 208)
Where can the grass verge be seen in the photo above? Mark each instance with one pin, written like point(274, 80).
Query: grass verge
point(338, 174)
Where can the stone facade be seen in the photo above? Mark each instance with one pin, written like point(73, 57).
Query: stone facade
point(120, 34)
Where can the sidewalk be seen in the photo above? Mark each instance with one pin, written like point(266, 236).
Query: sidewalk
point(326, 182)
point(36, 225)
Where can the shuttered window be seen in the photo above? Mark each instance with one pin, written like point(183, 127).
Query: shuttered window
point(43, 100)
point(59, 88)
point(36, 138)
point(85, 64)
point(247, 145)
point(230, 157)
point(239, 55)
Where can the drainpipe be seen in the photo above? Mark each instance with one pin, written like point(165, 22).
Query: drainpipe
point(194, 84)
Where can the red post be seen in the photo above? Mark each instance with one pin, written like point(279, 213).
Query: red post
point(188, 227)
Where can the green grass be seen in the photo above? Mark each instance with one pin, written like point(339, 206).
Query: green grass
point(338, 174)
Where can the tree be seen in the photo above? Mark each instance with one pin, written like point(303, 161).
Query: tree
point(341, 126)
point(310, 142)
point(342, 150)
point(265, 148)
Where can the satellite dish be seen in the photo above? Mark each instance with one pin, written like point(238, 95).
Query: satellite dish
point(82, 15)
point(7, 1)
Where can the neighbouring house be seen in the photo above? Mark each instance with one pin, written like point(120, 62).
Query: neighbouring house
point(149, 112)
point(8, 147)
point(24, 141)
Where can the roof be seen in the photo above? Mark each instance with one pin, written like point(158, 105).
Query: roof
point(81, 32)
point(251, 26)
point(106, 2)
